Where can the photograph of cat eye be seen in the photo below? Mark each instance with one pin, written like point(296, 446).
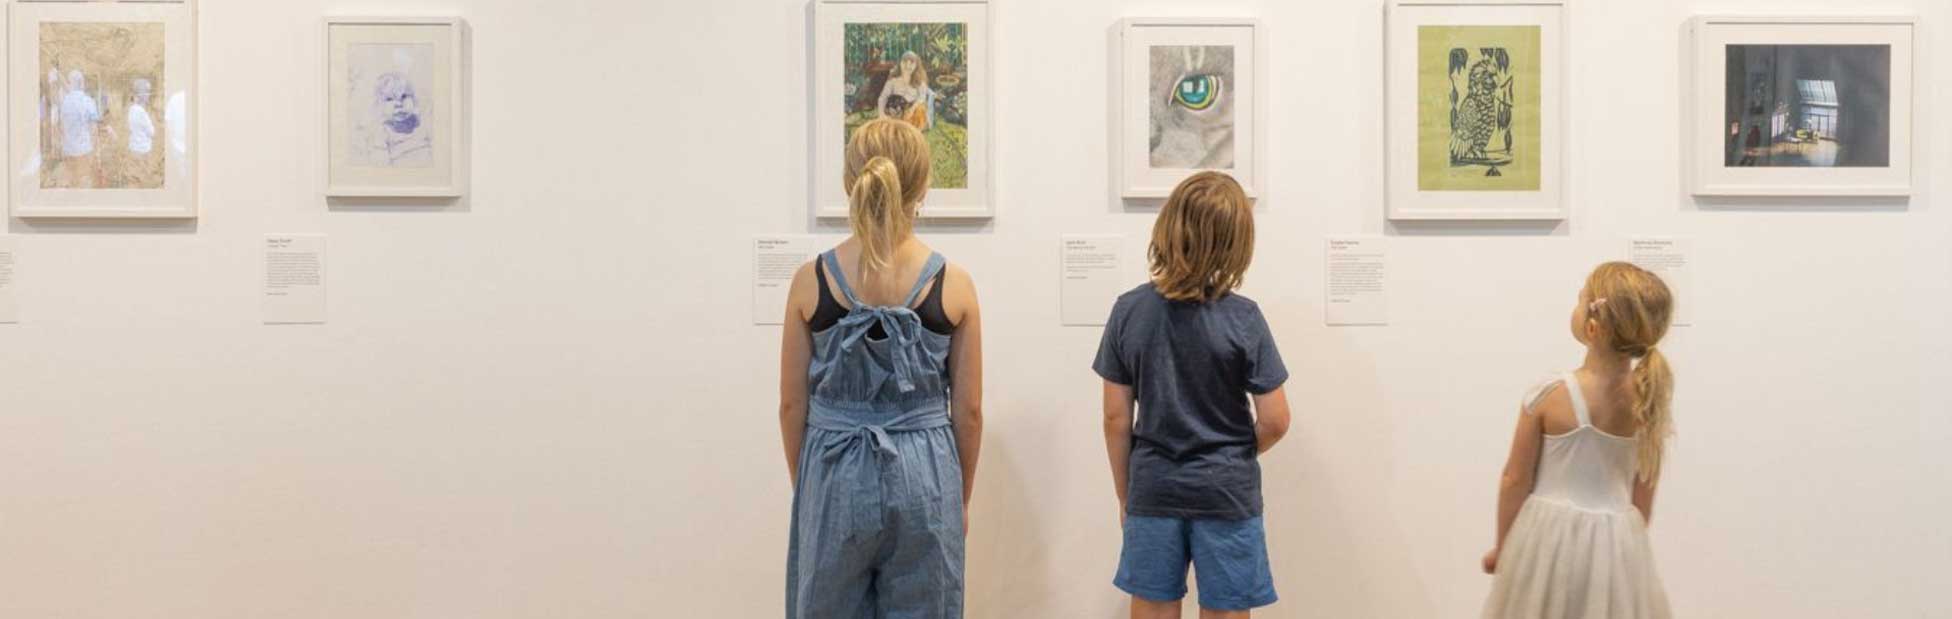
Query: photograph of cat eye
point(1192, 112)
point(1184, 100)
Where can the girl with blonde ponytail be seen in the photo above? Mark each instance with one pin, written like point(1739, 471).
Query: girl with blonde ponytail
point(1578, 488)
point(881, 383)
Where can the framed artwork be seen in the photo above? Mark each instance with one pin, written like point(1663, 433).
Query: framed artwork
point(925, 62)
point(1189, 99)
point(1802, 106)
point(1476, 109)
point(102, 109)
point(396, 107)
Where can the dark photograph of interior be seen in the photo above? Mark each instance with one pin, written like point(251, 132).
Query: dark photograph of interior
point(1808, 106)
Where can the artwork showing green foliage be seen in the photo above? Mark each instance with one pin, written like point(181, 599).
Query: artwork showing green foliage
point(1478, 117)
point(916, 72)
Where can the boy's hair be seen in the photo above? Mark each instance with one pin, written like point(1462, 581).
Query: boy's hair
point(1633, 308)
point(1203, 240)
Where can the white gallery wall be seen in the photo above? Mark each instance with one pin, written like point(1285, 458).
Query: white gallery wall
point(549, 401)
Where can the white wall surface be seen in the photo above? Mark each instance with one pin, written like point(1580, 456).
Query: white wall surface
point(548, 401)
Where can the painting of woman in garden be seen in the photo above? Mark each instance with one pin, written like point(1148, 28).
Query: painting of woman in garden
point(916, 72)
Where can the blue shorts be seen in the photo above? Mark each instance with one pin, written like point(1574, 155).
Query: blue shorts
point(1229, 558)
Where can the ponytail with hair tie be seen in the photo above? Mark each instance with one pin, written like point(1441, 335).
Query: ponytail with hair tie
point(1634, 309)
point(874, 212)
point(887, 174)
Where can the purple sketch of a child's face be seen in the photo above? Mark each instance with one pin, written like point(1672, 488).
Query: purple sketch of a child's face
point(394, 98)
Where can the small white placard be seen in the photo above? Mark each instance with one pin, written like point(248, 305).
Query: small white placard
point(1357, 277)
point(1093, 272)
point(9, 309)
point(294, 278)
point(1669, 258)
point(775, 258)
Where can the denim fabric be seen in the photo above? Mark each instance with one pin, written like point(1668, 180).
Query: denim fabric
point(877, 516)
point(1229, 559)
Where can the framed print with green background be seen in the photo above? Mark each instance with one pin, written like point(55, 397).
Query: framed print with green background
point(102, 109)
point(1188, 99)
point(1802, 106)
point(925, 62)
point(1476, 106)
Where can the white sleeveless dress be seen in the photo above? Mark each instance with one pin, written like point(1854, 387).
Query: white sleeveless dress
point(1579, 548)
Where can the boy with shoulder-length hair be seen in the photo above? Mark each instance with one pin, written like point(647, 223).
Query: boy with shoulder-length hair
point(1189, 353)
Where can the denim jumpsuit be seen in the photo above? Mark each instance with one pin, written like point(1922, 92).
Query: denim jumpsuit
point(877, 515)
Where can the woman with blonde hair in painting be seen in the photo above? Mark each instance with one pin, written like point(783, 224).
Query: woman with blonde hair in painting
point(881, 381)
point(1578, 487)
point(906, 94)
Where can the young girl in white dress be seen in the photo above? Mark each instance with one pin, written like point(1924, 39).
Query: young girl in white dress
point(1578, 488)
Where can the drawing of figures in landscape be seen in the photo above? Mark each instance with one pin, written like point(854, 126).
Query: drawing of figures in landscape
point(1478, 108)
point(387, 105)
point(1192, 106)
point(97, 127)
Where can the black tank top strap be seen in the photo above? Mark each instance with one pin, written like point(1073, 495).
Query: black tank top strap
point(934, 317)
point(828, 311)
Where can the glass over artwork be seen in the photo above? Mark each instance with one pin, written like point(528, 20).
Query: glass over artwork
point(387, 105)
point(1192, 106)
point(1808, 106)
point(916, 72)
point(1478, 108)
point(100, 123)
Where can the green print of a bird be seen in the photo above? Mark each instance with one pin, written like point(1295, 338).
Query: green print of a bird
point(1483, 113)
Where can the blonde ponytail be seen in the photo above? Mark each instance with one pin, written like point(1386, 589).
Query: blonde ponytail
point(875, 212)
point(886, 176)
point(1653, 390)
point(1633, 308)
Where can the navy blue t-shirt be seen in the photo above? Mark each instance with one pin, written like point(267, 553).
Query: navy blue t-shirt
point(1191, 367)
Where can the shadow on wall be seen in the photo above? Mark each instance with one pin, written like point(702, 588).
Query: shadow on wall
point(399, 205)
point(101, 226)
point(1006, 573)
point(1319, 559)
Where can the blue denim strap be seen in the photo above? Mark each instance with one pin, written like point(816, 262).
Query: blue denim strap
point(839, 275)
point(935, 263)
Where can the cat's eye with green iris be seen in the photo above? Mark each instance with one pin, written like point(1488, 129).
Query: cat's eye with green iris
point(1197, 92)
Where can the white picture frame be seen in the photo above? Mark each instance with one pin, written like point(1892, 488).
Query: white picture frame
point(1726, 145)
point(966, 96)
point(1147, 170)
point(1422, 180)
point(137, 156)
point(383, 138)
